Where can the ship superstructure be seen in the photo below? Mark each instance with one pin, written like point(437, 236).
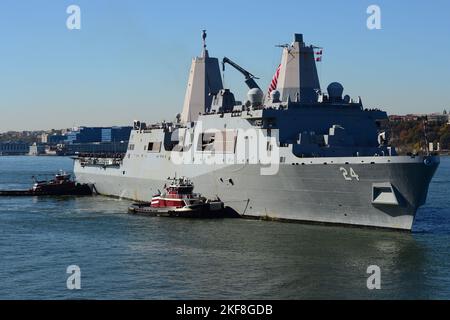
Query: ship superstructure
point(296, 153)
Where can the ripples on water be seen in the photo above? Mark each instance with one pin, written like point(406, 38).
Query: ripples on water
point(128, 257)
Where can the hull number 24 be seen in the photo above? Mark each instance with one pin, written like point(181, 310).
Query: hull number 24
point(349, 174)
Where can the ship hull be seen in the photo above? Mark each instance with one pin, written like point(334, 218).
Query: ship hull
point(349, 193)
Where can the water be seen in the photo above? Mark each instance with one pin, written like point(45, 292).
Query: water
point(129, 257)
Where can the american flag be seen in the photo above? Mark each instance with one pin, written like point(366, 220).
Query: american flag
point(273, 83)
point(319, 55)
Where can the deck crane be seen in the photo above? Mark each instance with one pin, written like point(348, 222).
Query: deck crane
point(249, 78)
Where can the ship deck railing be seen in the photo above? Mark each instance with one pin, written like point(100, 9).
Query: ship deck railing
point(112, 160)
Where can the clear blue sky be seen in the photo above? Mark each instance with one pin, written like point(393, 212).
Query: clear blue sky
point(131, 58)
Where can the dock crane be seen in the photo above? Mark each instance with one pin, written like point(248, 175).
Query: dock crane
point(249, 78)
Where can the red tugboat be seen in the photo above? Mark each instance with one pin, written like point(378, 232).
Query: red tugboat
point(179, 200)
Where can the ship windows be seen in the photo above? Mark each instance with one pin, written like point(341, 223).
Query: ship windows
point(223, 141)
point(154, 147)
point(206, 141)
point(172, 140)
point(131, 147)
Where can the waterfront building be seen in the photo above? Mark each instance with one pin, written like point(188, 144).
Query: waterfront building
point(93, 148)
point(98, 134)
point(56, 139)
point(437, 118)
point(14, 148)
point(36, 149)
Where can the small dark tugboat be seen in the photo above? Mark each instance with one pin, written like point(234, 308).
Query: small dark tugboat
point(61, 185)
point(178, 200)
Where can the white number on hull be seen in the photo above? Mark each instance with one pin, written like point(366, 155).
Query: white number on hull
point(346, 175)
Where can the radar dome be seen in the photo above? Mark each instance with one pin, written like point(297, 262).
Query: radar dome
point(275, 96)
point(255, 96)
point(335, 90)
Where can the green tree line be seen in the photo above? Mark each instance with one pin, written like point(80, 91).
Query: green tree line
point(411, 136)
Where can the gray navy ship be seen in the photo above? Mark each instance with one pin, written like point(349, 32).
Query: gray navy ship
point(293, 153)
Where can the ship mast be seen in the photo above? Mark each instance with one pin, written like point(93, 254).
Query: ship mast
point(204, 82)
point(205, 52)
point(298, 77)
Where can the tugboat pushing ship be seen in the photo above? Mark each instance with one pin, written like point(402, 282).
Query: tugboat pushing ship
point(330, 161)
point(179, 200)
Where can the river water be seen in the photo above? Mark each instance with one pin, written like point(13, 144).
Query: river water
point(129, 257)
